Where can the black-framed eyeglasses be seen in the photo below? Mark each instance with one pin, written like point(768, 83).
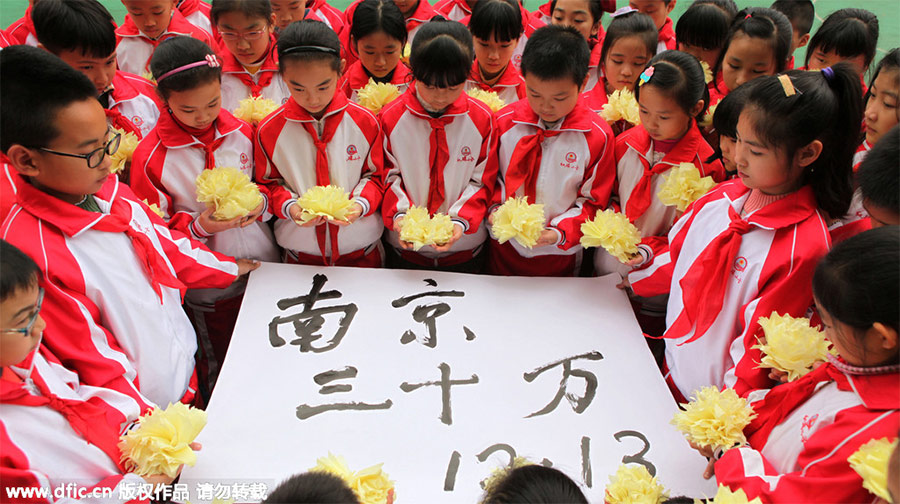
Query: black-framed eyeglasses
point(96, 156)
point(26, 331)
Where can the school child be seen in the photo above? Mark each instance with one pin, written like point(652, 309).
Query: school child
point(758, 44)
point(54, 430)
point(377, 35)
point(628, 46)
point(879, 181)
point(806, 429)
point(313, 486)
point(286, 12)
point(496, 26)
point(529, 25)
point(555, 151)
point(194, 134)
point(21, 31)
point(586, 17)
point(725, 126)
point(439, 152)
point(533, 483)
point(82, 33)
point(544, 13)
point(249, 59)
point(197, 12)
point(882, 99)
point(112, 271)
point(748, 247)
point(701, 31)
point(801, 14)
point(320, 138)
point(146, 25)
point(659, 11)
point(415, 13)
point(849, 35)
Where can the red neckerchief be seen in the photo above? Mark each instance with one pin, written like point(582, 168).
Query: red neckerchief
point(357, 78)
point(510, 77)
point(667, 32)
point(27, 23)
point(525, 161)
point(438, 153)
point(596, 51)
point(173, 134)
point(267, 70)
point(640, 141)
point(333, 116)
point(596, 98)
point(703, 285)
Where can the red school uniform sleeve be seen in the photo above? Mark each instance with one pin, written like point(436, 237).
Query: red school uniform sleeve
point(369, 191)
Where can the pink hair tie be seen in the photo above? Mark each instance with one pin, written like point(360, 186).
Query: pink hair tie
point(624, 10)
point(210, 61)
point(749, 15)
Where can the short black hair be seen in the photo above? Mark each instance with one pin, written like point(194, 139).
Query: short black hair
point(879, 173)
point(533, 484)
point(556, 52)
point(249, 8)
point(728, 6)
point(679, 76)
point(595, 7)
point(312, 488)
point(728, 110)
point(309, 40)
point(500, 20)
point(703, 25)
point(442, 53)
point(766, 24)
point(36, 85)
point(176, 52)
point(632, 24)
point(801, 13)
point(847, 32)
point(889, 63)
point(373, 16)
point(17, 270)
point(68, 25)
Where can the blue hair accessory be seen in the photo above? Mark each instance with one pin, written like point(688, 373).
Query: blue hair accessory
point(645, 76)
point(828, 72)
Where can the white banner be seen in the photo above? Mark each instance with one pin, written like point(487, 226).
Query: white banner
point(442, 377)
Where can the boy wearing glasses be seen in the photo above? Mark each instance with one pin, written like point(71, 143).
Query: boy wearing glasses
point(114, 274)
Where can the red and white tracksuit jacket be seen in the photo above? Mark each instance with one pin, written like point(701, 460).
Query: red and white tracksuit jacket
point(22, 30)
point(164, 170)
point(596, 98)
point(595, 73)
point(806, 430)
point(288, 161)
point(197, 13)
point(423, 13)
point(771, 271)
point(238, 83)
point(134, 49)
point(529, 25)
point(321, 11)
point(666, 37)
point(55, 431)
point(861, 152)
point(454, 10)
point(113, 283)
point(510, 86)
point(133, 100)
point(356, 78)
point(412, 139)
point(9, 182)
point(575, 176)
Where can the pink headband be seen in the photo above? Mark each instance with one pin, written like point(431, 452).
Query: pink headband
point(210, 61)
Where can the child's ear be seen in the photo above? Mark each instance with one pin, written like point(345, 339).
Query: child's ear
point(803, 41)
point(343, 65)
point(808, 153)
point(272, 22)
point(695, 110)
point(22, 160)
point(887, 336)
point(670, 6)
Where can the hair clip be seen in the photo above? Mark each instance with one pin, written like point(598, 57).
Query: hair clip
point(645, 75)
point(209, 60)
point(828, 72)
point(212, 61)
point(787, 85)
point(622, 11)
point(749, 15)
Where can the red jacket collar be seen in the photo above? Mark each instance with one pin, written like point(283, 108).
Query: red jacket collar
point(178, 25)
point(67, 217)
point(877, 391)
point(595, 55)
point(509, 78)
point(174, 136)
point(122, 89)
point(294, 112)
point(579, 119)
point(230, 64)
point(188, 7)
point(667, 32)
point(424, 12)
point(792, 209)
point(683, 151)
point(411, 102)
point(358, 78)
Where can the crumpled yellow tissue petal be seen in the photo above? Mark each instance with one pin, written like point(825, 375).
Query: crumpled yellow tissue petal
point(375, 95)
point(634, 485)
point(330, 201)
point(518, 219)
point(715, 418)
point(155, 208)
point(683, 185)
point(707, 72)
point(333, 464)
point(612, 231)
point(621, 105)
point(160, 443)
point(371, 485)
point(724, 495)
point(254, 109)
point(149, 76)
point(870, 461)
point(791, 345)
point(499, 473)
point(229, 191)
point(489, 98)
point(123, 154)
point(421, 229)
point(707, 120)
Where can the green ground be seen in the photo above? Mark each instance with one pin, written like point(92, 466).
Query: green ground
point(886, 10)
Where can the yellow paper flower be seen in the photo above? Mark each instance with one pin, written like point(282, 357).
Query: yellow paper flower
point(498, 474)
point(331, 202)
point(634, 485)
point(161, 441)
point(420, 229)
point(707, 72)
point(123, 154)
point(254, 109)
point(791, 345)
point(612, 231)
point(870, 461)
point(724, 495)
point(518, 219)
point(372, 485)
point(375, 95)
point(716, 419)
point(621, 105)
point(155, 208)
point(149, 76)
point(333, 464)
point(489, 98)
point(229, 191)
point(708, 116)
point(683, 186)
point(404, 56)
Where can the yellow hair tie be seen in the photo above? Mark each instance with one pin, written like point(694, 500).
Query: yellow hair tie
point(788, 86)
